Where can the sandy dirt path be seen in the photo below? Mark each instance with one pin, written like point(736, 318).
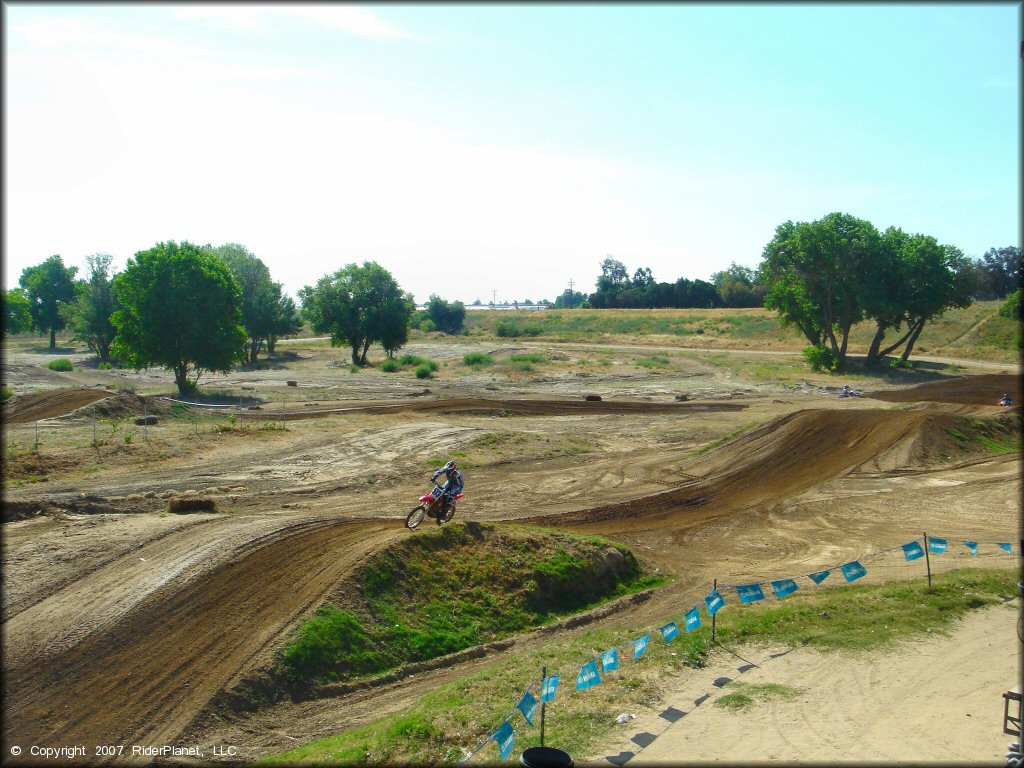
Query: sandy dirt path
point(933, 700)
point(146, 677)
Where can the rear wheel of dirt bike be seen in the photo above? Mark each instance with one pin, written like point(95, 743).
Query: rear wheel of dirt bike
point(447, 515)
point(416, 516)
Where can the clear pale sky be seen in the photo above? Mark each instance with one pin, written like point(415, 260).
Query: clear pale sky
point(507, 148)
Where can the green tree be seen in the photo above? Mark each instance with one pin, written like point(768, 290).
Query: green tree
point(88, 316)
point(48, 286)
point(17, 314)
point(259, 295)
point(816, 274)
point(359, 306)
point(447, 317)
point(286, 319)
point(180, 309)
point(1000, 271)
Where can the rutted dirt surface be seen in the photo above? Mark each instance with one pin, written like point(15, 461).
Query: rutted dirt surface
point(123, 626)
point(54, 402)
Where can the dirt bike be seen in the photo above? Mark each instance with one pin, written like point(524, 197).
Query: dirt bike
point(850, 393)
point(431, 506)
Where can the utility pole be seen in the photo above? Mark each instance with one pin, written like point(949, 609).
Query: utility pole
point(571, 284)
point(494, 298)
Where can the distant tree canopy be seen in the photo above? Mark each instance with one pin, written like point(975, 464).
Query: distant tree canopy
point(359, 306)
point(616, 290)
point(89, 315)
point(738, 286)
point(566, 299)
point(824, 276)
point(267, 312)
point(447, 318)
point(49, 287)
point(999, 272)
point(180, 309)
point(17, 317)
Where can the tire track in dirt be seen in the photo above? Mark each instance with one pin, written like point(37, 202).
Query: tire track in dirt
point(53, 402)
point(142, 681)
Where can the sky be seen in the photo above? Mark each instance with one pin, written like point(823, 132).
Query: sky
point(500, 151)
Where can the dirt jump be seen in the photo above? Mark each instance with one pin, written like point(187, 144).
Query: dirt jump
point(135, 649)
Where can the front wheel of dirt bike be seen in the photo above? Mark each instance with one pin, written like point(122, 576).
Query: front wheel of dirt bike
point(416, 516)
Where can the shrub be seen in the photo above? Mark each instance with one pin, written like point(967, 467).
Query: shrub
point(1011, 307)
point(820, 358)
point(5, 392)
point(105, 366)
point(905, 365)
point(477, 359)
point(423, 371)
point(353, 368)
point(60, 364)
point(390, 366)
point(509, 329)
point(531, 357)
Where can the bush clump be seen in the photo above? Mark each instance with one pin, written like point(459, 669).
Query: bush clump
point(424, 371)
point(390, 366)
point(820, 357)
point(60, 364)
point(477, 359)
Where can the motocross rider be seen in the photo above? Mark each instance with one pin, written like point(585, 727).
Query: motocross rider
point(453, 484)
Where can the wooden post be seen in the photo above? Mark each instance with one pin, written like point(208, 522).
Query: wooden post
point(145, 419)
point(543, 676)
point(94, 425)
point(239, 411)
point(713, 616)
point(37, 435)
point(927, 559)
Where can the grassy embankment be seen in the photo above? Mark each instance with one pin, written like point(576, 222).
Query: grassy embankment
point(443, 590)
point(976, 332)
point(443, 725)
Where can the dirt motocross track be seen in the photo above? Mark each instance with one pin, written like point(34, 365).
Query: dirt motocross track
point(124, 627)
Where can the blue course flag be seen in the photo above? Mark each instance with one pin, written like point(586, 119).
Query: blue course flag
point(973, 546)
point(714, 601)
point(670, 631)
point(784, 587)
point(504, 737)
point(936, 545)
point(640, 646)
point(818, 576)
point(692, 619)
point(587, 677)
point(548, 688)
point(610, 660)
point(853, 571)
point(528, 706)
point(750, 593)
point(1006, 547)
point(913, 550)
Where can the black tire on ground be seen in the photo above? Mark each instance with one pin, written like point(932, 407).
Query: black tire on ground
point(415, 517)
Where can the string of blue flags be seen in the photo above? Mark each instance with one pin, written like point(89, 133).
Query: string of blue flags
point(591, 673)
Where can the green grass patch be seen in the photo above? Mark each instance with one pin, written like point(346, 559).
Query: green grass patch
point(445, 724)
point(60, 364)
point(745, 695)
point(477, 360)
point(454, 587)
point(651, 362)
point(528, 357)
point(999, 435)
point(5, 392)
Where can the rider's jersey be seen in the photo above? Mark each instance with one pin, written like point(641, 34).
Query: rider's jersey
point(453, 480)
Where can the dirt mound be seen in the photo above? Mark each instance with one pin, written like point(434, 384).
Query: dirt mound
point(969, 390)
point(781, 458)
point(53, 402)
point(125, 406)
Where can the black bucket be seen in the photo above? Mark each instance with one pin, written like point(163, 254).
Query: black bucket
point(545, 757)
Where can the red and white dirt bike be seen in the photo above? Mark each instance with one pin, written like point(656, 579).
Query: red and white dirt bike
point(431, 506)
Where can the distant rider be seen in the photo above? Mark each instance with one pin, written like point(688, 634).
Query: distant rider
point(453, 483)
point(846, 390)
point(1006, 400)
